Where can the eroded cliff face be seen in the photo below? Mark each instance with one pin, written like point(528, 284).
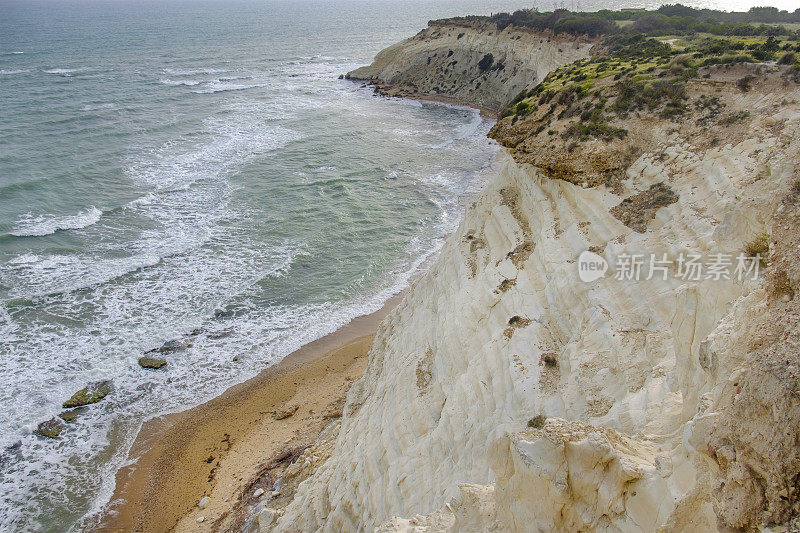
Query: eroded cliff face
point(504, 393)
point(476, 64)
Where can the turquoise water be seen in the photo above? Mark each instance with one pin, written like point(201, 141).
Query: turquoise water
point(195, 173)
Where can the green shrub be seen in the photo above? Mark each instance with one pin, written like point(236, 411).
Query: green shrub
point(585, 25)
point(673, 109)
point(759, 247)
point(524, 108)
point(596, 128)
point(633, 95)
point(794, 73)
point(546, 96)
point(486, 63)
point(733, 118)
point(668, 19)
point(728, 59)
point(537, 422)
point(635, 46)
point(744, 83)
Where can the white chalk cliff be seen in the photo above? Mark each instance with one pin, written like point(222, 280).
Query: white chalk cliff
point(471, 62)
point(506, 394)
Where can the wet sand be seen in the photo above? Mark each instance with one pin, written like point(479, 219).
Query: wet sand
point(216, 449)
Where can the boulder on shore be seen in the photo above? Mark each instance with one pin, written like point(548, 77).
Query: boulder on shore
point(172, 346)
point(70, 415)
point(153, 363)
point(50, 428)
point(92, 393)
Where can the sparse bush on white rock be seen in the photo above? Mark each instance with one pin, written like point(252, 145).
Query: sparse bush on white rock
point(671, 405)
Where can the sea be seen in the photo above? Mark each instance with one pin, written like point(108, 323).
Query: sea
point(192, 175)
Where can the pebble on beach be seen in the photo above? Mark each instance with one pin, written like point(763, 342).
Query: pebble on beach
point(285, 411)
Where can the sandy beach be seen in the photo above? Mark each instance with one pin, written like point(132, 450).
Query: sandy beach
point(218, 449)
point(226, 448)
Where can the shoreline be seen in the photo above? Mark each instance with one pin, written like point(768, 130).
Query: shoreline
point(391, 91)
point(147, 498)
point(217, 448)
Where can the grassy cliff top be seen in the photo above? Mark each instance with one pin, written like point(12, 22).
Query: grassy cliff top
point(607, 104)
point(666, 20)
point(673, 69)
point(643, 67)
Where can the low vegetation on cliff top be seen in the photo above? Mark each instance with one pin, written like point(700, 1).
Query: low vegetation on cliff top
point(635, 75)
point(648, 72)
point(648, 55)
point(666, 20)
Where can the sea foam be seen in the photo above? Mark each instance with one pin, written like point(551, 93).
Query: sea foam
point(30, 225)
point(167, 81)
point(194, 71)
point(219, 86)
point(66, 72)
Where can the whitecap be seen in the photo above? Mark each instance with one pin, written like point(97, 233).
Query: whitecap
point(12, 71)
point(465, 130)
point(444, 179)
point(23, 259)
point(36, 226)
point(98, 107)
point(325, 58)
point(62, 274)
point(194, 71)
point(147, 199)
point(66, 72)
point(222, 86)
point(177, 165)
point(190, 83)
point(470, 128)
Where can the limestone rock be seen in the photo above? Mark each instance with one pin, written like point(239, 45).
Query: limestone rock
point(90, 394)
point(50, 428)
point(71, 414)
point(285, 411)
point(152, 362)
point(668, 403)
point(452, 61)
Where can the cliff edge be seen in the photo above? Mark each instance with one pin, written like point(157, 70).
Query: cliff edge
point(474, 63)
point(506, 392)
